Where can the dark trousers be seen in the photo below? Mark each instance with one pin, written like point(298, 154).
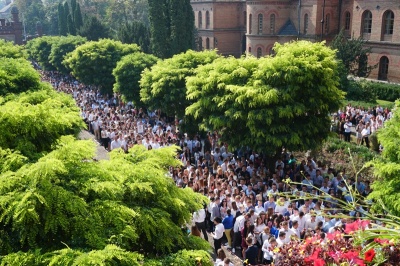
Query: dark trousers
point(347, 136)
point(237, 239)
point(217, 244)
point(202, 227)
point(366, 139)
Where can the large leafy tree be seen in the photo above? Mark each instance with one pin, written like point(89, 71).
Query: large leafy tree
point(135, 32)
point(164, 85)
point(32, 122)
point(93, 29)
point(127, 75)
point(67, 209)
point(93, 62)
point(17, 75)
point(386, 188)
point(61, 48)
point(277, 101)
point(39, 50)
point(171, 27)
point(10, 50)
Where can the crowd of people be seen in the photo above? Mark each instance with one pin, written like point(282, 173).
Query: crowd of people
point(253, 208)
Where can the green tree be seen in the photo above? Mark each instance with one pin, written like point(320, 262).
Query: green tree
point(386, 187)
point(62, 20)
point(135, 32)
point(61, 48)
point(10, 50)
point(33, 11)
point(127, 75)
point(164, 85)
point(17, 75)
point(171, 27)
point(39, 50)
point(93, 62)
point(93, 29)
point(71, 210)
point(78, 17)
point(273, 102)
point(71, 25)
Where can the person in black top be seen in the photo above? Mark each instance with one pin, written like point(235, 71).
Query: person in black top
point(251, 252)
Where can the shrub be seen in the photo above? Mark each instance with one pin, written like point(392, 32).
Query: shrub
point(383, 91)
point(358, 91)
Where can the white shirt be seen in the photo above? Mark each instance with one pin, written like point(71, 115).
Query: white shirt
point(219, 231)
point(199, 216)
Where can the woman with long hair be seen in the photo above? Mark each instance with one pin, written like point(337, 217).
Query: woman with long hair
point(244, 232)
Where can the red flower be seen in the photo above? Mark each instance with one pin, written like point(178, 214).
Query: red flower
point(356, 225)
point(350, 255)
point(369, 255)
point(336, 255)
point(319, 262)
point(382, 241)
point(334, 235)
point(314, 258)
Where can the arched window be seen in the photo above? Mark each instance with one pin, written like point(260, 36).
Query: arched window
point(260, 23)
point(245, 19)
point(347, 20)
point(305, 23)
point(327, 23)
point(383, 68)
point(367, 22)
point(199, 20)
point(250, 18)
point(272, 24)
point(249, 49)
point(207, 43)
point(388, 22)
point(207, 20)
point(200, 42)
point(259, 52)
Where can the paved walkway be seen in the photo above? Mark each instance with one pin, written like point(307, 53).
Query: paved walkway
point(102, 153)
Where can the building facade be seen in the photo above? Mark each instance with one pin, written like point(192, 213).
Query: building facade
point(12, 30)
point(253, 26)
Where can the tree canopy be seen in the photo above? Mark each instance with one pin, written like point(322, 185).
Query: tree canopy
point(67, 209)
point(386, 189)
point(61, 48)
point(273, 102)
point(127, 75)
point(39, 49)
point(10, 50)
point(93, 62)
point(164, 85)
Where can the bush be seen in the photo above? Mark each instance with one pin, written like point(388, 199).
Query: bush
point(358, 91)
point(383, 91)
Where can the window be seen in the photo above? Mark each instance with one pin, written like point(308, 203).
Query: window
point(199, 20)
point(272, 24)
point(367, 22)
point(245, 19)
point(259, 52)
point(305, 23)
point(327, 23)
point(347, 21)
point(383, 68)
point(388, 22)
point(250, 18)
point(207, 20)
point(200, 42)
point(260, 23)
point(207, 43)
point(249, 49)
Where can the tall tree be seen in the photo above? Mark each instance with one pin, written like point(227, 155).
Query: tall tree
point(78, 17)
point(171, 27)
point(93, 29)
point(62, 20)
point(71, 25)
point(135, 32)
point(274, 102)
point(93, 62)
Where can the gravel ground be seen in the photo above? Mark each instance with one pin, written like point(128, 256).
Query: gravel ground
point(102, 153)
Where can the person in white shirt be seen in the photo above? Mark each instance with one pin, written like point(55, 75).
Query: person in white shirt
point(365, 135)
point(347, 130)
point(218, 233)
point(268, 249)
point(115, 144)
point(295, 229)
point(281, 240)
point(199, 219)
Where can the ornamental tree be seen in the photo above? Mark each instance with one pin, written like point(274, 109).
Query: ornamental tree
point(127, 75)
point(67, 209)
point(61, 48)
point(93, 62)
point(386, 189)
point(277, 101)
point(39, 50)
point(164, 85)
point(10, 50)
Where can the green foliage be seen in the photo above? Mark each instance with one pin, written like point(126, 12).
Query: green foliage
point(33, 121)
point(105, 212)
point(93, 62)
point(281, 101)
point(367, 105)
point(387, 167)
point(93, 29)
point(335, 144)
point(11, 161)
point(135, 32)
point(383, 91)
point(127, 75)
point(61, 48)
point(171, 27)
point(62, 20)
point(39, 50)
point(189, 258)
point(17, 75)
point(358, 91)
point(164, 85)
point(10, 50)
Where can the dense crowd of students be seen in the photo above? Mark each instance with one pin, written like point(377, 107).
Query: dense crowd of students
point(252, 206)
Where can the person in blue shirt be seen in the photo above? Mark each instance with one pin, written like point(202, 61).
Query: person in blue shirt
point(228, 225)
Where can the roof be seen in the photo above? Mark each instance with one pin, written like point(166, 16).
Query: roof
point(288, 29)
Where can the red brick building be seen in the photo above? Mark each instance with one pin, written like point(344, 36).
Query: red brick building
point(253, 26)
point(12, 30)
